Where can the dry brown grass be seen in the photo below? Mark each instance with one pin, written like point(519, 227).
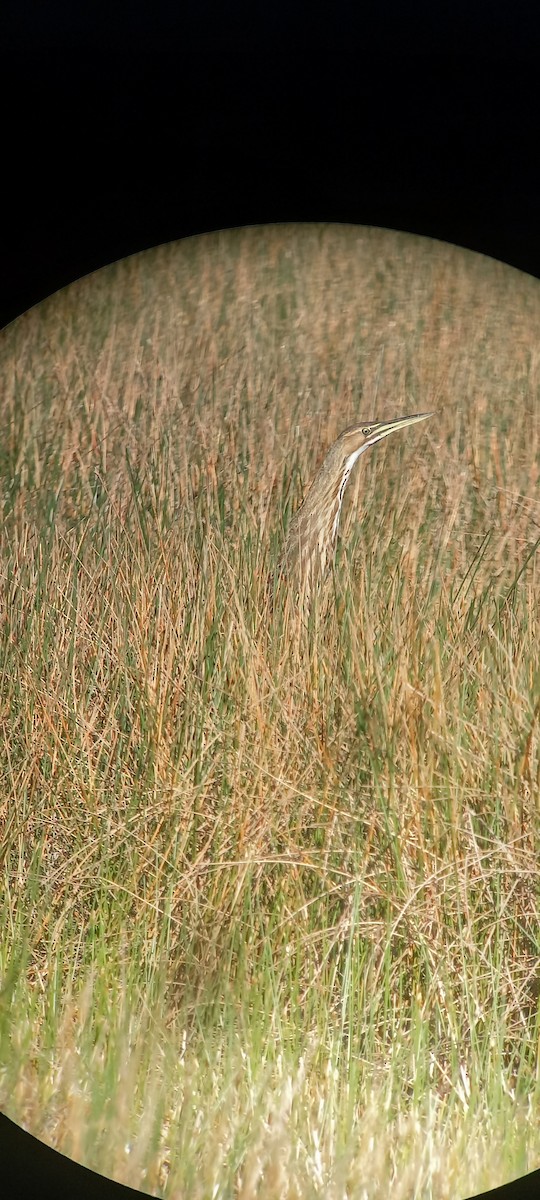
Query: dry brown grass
point(338, 821)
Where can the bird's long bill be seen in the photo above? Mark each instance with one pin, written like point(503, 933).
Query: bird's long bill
point(381, 429)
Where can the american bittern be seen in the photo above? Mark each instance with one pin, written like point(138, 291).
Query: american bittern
point(312, 534)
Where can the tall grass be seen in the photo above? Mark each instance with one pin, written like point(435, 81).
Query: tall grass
point(270, 913)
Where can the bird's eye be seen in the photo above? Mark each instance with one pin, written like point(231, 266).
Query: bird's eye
point(366, 432)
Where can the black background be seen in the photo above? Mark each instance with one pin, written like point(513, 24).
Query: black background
point(128, 125)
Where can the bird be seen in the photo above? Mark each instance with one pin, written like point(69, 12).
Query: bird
point(310, 543)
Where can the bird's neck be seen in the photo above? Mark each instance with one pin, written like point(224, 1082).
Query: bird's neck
point(341, 490)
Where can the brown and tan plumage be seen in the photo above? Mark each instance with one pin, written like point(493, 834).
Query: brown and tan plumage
point(310, 544)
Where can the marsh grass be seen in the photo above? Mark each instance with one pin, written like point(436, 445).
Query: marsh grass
point(270, 910)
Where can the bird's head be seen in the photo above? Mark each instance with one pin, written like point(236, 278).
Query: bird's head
point(357, 438)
